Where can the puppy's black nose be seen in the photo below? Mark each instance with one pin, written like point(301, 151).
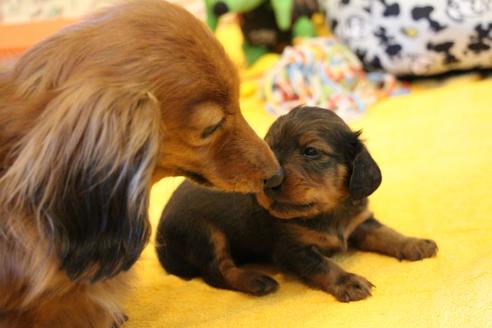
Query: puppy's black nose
point(275, 180)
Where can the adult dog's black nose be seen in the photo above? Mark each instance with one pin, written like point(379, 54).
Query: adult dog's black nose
point(275, 180)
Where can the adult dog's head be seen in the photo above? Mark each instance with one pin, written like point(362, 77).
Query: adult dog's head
point(89, 116)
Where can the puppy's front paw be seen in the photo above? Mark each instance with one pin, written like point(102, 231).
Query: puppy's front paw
point(351, 287)
point(259, 284)
point(414, 249)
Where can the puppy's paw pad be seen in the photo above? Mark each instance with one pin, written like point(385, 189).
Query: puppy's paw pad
point(415, 249)
point(351, 287)
point(260, 284)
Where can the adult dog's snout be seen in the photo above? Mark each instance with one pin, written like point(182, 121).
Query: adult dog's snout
point(274, 181)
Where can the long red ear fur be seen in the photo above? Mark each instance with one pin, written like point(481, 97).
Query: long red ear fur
point(84, 173)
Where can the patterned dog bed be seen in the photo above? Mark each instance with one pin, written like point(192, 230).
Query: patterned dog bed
point(415, 37)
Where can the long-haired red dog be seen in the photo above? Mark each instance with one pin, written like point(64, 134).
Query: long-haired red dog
point(87, 119)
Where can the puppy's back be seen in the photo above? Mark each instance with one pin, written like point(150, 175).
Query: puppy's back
point(193, 212)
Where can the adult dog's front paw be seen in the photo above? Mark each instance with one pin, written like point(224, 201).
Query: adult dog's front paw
point(351, 287)
point(415, 249)
point(118, 323)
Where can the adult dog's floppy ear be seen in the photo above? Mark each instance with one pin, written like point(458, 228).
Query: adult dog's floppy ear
point(85, 170)
point(366, 175)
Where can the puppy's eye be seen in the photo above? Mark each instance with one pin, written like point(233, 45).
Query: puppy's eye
point(211, 129)
point(311, 152)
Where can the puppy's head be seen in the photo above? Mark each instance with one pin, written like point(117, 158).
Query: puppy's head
point(323, 160)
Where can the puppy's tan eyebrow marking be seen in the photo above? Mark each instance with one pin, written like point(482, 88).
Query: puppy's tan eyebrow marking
point(307, 138)
point(311, 139)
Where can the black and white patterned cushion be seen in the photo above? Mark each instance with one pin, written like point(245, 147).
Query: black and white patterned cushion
point(415, 37)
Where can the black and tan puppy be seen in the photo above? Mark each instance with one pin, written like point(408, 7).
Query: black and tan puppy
point(320, 208)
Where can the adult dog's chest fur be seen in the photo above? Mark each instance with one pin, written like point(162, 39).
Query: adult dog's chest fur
point(328, 232)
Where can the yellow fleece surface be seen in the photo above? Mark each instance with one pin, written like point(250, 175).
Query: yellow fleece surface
point(434, 148)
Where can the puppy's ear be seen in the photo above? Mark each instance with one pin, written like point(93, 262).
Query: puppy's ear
point(366, 175)
point(84, 172)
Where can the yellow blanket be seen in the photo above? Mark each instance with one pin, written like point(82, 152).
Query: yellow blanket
point(435, 151)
